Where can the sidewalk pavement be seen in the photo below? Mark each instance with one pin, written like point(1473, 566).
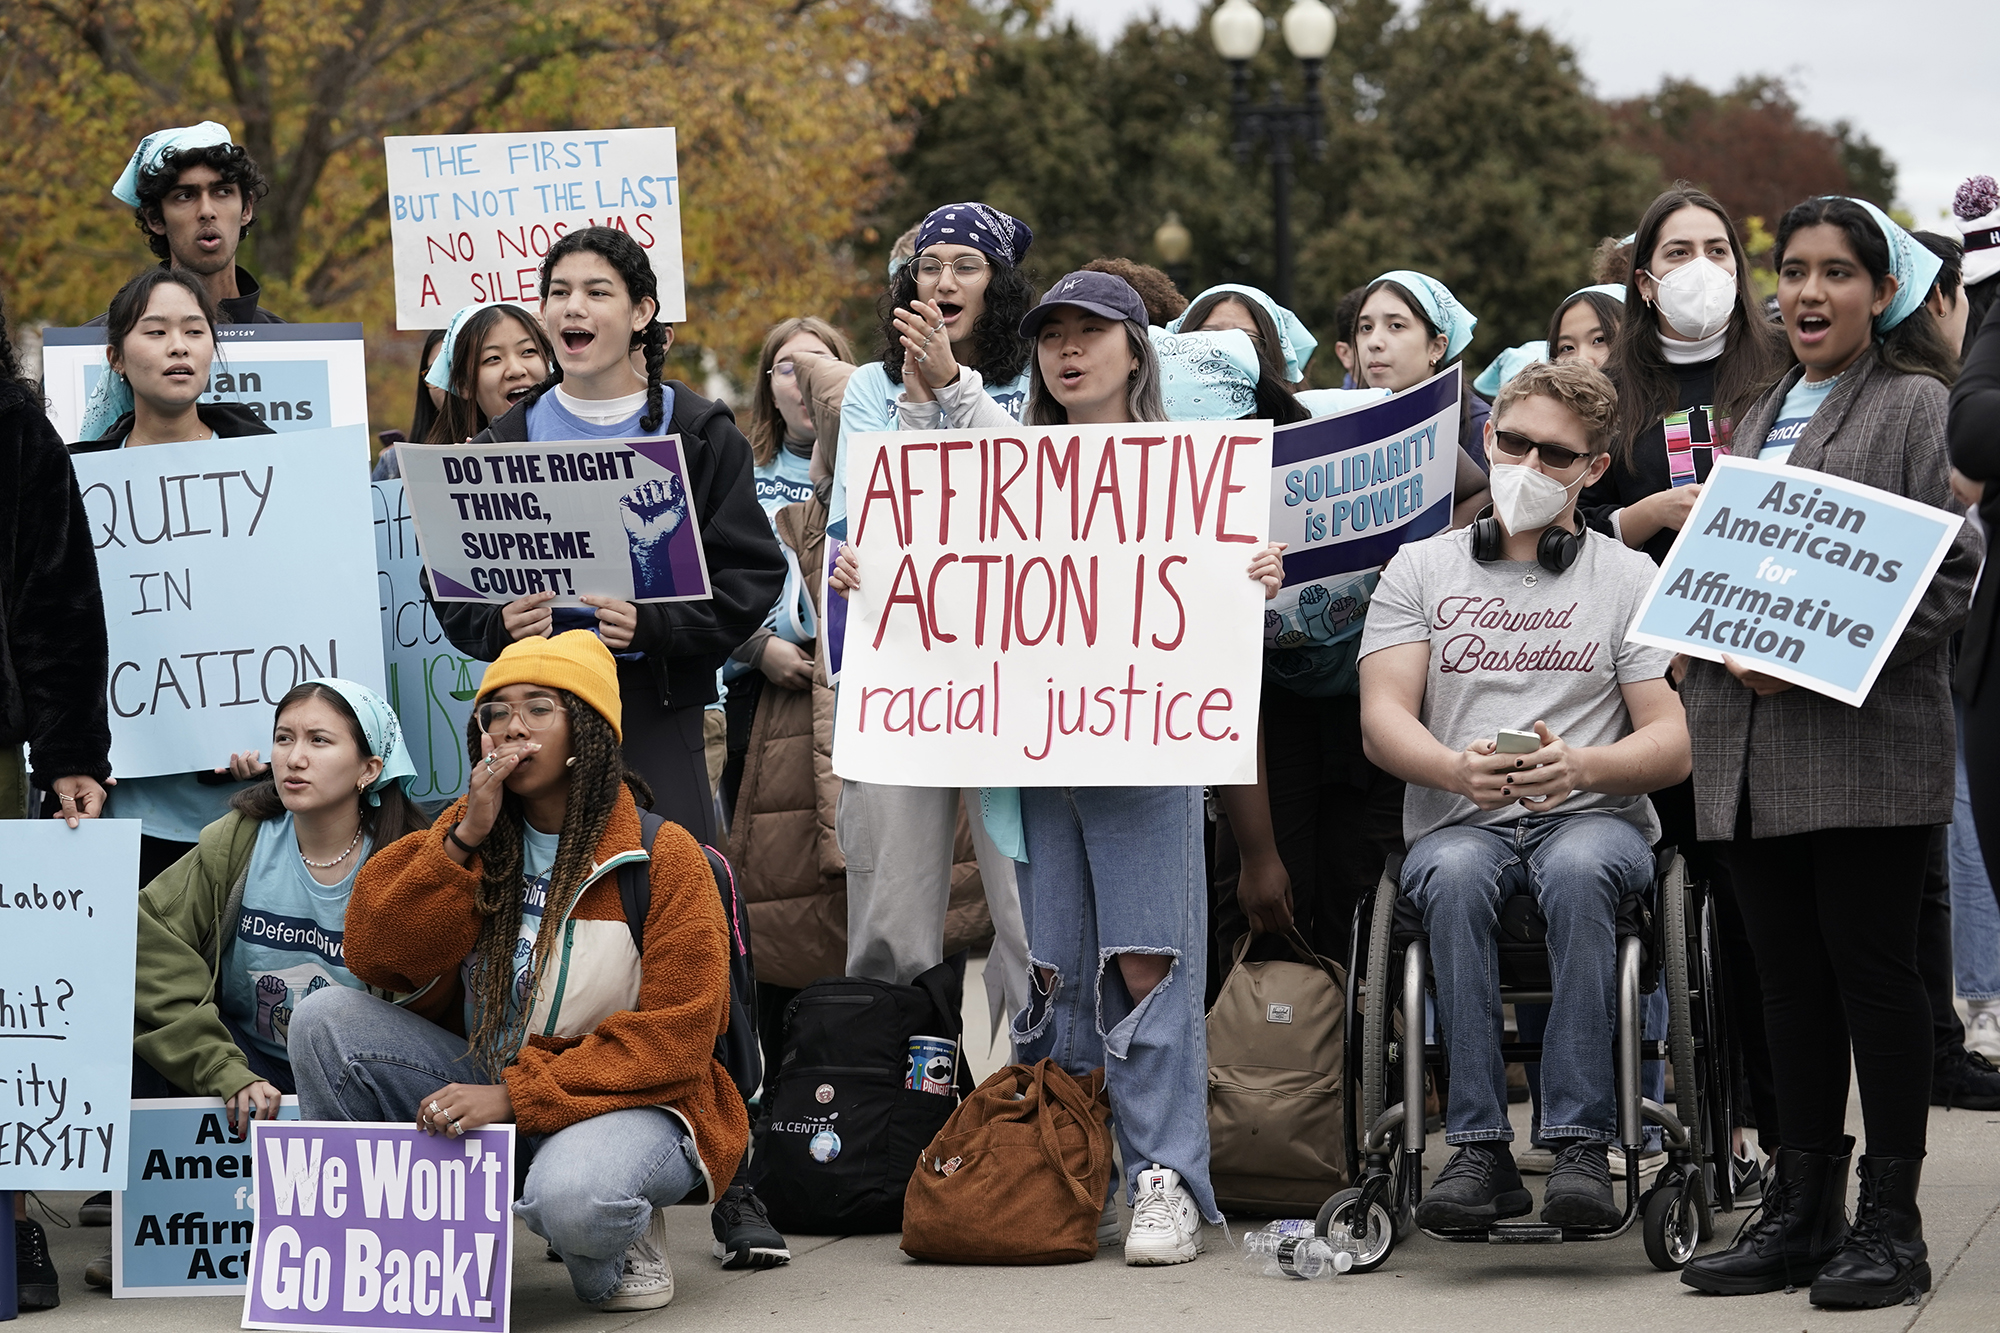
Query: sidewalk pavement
point(866, 1282)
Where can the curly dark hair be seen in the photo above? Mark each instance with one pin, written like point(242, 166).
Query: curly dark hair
point(628, 257)
point(1000, 352)
point(1916, 346)
point(231, 162)
point(10, 362)
point(594, 781)
point(395, 816)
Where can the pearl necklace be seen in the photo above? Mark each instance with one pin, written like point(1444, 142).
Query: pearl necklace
point(328, 865)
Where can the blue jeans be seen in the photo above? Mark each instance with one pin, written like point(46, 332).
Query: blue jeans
point(591, 1188)
point(1116, 870)
point(1975, 917)
point(1533, 1020)
point(1577, 867)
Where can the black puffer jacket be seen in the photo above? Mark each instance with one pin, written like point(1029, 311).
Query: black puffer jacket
point(53, 654)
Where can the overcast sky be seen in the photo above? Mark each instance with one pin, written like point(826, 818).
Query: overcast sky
point(1919, 77)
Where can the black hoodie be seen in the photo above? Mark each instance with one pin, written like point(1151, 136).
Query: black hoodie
point(227, 420)
point(685, 643)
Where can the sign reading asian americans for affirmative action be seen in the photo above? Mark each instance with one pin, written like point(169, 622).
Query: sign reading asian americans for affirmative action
point(1051, 605)
point(1799, 574)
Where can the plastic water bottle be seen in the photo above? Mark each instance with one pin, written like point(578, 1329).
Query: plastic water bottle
point(1305, 1257)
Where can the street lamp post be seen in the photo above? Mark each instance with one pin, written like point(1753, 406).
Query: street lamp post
point(1237, 30)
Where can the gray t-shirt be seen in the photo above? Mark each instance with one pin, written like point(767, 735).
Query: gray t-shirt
point(1512, 644)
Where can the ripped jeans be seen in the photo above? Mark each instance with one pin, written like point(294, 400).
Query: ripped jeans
point(1115, 870)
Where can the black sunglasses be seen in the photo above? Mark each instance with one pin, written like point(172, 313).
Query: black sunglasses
point(1554, 456)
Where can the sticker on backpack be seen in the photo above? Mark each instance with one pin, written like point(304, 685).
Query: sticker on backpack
point(1278, 1013)
point(823, 1093)
point(825, 1146)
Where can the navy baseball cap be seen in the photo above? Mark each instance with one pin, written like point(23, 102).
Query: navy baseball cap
point(1103, 294)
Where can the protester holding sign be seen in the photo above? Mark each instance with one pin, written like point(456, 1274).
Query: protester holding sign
point(594, 1034)
point(235, 934)
point(1410, 326)
point(492, 357)
point(600, 304)
point(1826, 856)
point(162, 346)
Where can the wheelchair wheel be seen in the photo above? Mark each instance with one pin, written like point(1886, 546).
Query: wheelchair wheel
point(1381, 1005)
point(1680, 1019)
point(1377, 1235)
point(1672, 1226)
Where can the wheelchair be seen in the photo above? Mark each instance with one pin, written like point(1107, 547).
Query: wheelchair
point(1672, 939)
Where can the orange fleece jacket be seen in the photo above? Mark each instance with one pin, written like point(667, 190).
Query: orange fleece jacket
point(413, 919)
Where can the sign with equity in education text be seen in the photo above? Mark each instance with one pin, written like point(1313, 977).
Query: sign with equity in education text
point(471, 215)
point(1055, 605)
point(1796, 573)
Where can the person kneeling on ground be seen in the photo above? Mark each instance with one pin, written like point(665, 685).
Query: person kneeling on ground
point(1521, 620)
point(510, 904)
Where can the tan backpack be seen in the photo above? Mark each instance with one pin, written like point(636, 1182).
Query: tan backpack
point(1276, 1112)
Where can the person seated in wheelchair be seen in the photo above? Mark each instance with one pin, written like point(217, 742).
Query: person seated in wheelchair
point(1519, 622)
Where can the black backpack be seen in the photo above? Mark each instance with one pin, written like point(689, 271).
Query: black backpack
point(737, 1047)
point(841, 1133)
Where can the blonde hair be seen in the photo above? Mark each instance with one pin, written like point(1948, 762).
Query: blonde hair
point(1582, 388)
point(767, 427)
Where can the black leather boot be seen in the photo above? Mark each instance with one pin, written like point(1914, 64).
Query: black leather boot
point(1798, 1227)
point(1883, 1261)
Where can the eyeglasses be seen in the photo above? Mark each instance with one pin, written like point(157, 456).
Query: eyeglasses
point(535, 714)
point(1554, 456)
point(784, 370)
point(967, 268)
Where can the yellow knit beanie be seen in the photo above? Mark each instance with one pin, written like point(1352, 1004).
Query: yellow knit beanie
point(576, 660)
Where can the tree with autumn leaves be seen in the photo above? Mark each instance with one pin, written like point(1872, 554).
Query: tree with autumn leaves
point(788, 114)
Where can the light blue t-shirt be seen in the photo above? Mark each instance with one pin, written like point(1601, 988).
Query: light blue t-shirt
point(176, 807)
point(548, 419)
point(538, 858)
point(289, 939)
point(1793, 414)
point(785, 480)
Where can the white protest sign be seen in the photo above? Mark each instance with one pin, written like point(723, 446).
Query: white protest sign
point(1800, 574)
point(1346, 492)
point(69, 926)
point(1055, 605)
point(431, 684)
point(295, 377)
point(232, 570)
point(610, 518)
point(471, 215)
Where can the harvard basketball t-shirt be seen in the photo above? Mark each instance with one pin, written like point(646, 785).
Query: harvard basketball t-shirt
point(1513, 644)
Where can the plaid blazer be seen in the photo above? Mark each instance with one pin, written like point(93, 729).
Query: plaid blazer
point(1813, 762)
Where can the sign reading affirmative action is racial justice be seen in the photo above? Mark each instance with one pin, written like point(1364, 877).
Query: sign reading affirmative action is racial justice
point(471, 215)
point(232, 570)
point(609, 518)
point(432, 685)
point(294, 377)
point(1798, 574)
point(1346, 492)
point(380, 1226)
point(1055, 605)
point(185, 1221)
point(68, 938)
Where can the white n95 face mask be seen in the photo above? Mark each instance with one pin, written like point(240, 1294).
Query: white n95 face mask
point(1697, 298)
point(1525, 499)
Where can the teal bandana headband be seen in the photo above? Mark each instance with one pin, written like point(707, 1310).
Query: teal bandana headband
point(1915, 267)
point(155, 146)
point(384, 733)
point(1295, 341)
point(1445, 312)
point(1206, 376)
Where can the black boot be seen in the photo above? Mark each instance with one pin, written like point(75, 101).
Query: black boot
point(1883, 1261)
point(1793, 1232)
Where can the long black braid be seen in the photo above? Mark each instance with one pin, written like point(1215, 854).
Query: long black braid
point(625, 255)
point(593, 795)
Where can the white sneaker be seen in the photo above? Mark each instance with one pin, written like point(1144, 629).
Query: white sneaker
point(1166, 1225)
point(1649, 1163)
point(1982, 1031)
point(1534, 1160)
point(647, 1282)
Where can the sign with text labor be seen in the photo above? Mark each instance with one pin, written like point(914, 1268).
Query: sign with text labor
point(1055, 605)
point(1795, 573)
point(69, 926)
point(295, 377)
point(232, 570)
point(431, 684)
point(381, 1226)
point(1346, 492)
point(185, 1221)
point(471, 215)
point(604, 518)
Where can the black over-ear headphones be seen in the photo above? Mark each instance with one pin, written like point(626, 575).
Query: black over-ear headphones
point(1556, 551)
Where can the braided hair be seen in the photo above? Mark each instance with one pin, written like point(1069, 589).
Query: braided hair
point(628, 257)
point(595, 777)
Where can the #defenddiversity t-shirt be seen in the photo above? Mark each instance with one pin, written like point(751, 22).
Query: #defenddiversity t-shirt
point(1513, 644)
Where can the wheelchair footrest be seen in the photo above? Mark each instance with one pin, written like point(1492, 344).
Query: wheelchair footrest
point(1524, 1233)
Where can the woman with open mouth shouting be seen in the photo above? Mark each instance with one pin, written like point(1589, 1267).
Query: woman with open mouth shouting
point(492, 358)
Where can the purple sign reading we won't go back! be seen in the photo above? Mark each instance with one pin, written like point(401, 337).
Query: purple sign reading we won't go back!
point(377, 1226)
